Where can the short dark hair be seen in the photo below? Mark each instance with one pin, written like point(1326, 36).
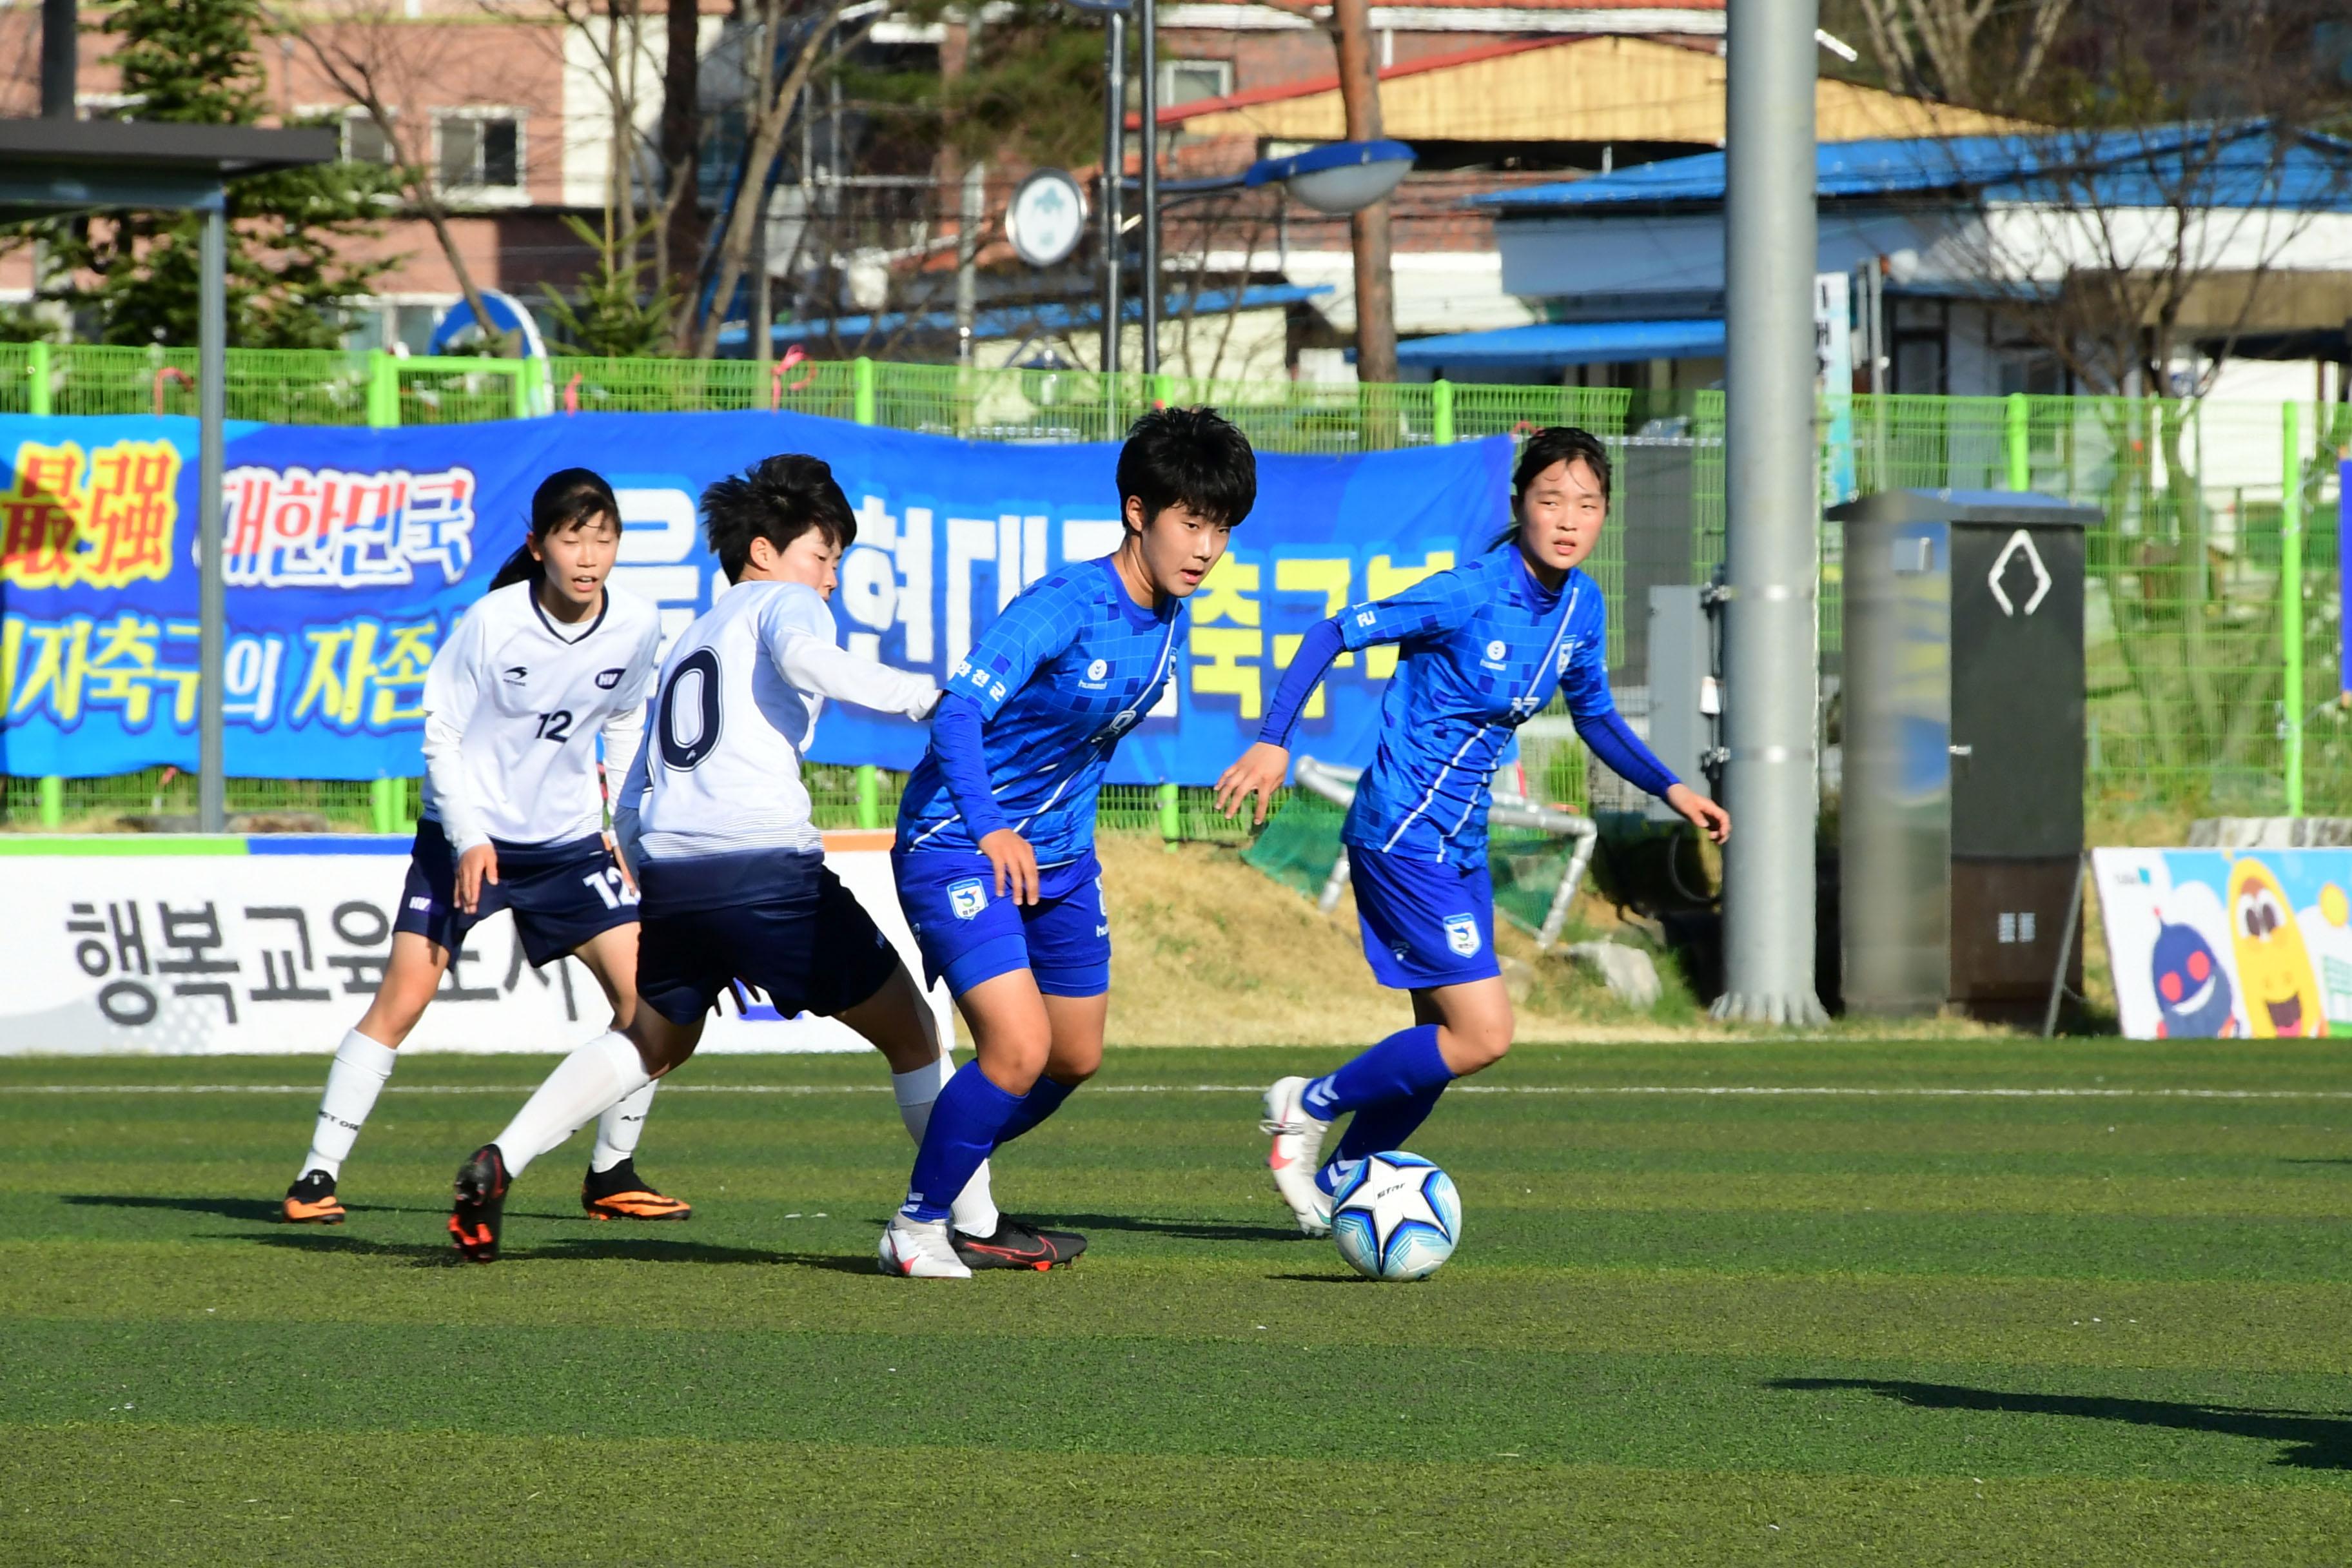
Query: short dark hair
point(1188, 457)
point(776, 499)
point(1560, 444)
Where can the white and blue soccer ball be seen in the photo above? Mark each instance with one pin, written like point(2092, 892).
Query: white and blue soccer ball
point(1396, 1217)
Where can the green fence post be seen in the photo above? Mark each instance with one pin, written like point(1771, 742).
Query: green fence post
point(869, 795)
point(1171, 820)
point(380, 808)
point(1163, 390)
point(383, 390)
point(1441, 412)
point(2291, 600)
point(53, 802)
point(522, 400)
point(862, 383)
point(36, 374)
point(2014, 442)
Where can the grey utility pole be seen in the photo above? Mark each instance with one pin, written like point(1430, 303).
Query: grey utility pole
point(1148, 197)
point(1114, 236)
point(1772, 653)
point(212, 598)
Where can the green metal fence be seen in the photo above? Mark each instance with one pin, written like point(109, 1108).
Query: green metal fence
point(2214, 612)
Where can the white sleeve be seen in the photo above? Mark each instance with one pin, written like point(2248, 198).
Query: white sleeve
point(625, 805)
point(798, 634)
point(452, 688)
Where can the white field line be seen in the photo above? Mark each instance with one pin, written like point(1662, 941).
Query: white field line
point(1719, 1091)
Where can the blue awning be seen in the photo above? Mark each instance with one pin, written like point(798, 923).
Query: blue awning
point(1559, 344)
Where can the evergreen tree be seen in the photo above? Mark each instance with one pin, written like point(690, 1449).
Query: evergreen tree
point(195, 62)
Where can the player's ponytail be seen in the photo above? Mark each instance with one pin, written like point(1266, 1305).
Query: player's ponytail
point(565, 496)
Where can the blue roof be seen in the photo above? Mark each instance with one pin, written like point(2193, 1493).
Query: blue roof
point(2245, 164)
point(1019, 322)
point(1557, 344)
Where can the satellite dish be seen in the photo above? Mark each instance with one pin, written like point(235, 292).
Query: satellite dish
point(1046, 217)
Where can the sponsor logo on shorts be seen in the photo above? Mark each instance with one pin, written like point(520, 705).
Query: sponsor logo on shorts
point(966, 898)
point(607, 678)
point(1462, 934)
point(421, 903)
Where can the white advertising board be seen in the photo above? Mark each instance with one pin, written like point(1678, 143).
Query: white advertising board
point(270, 951)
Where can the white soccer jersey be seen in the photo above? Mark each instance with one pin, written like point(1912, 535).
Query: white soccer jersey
point(719, 768)
point(513, 705)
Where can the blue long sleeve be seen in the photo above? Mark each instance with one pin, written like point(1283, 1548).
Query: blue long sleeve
point(1623, 751)
point(955, 740)
point(1321, 645)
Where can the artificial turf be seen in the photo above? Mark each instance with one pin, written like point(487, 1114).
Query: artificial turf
point(2105, 1325)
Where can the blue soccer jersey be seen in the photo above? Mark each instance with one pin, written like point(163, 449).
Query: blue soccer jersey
point(1071, 666)
point(1483, 647)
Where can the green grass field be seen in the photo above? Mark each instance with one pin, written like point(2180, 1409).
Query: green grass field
point(2107, 1325)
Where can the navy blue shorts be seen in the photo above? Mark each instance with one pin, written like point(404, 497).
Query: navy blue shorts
point(1425, 923)
point(968, 934)
point(777, 919)
point(562, 894)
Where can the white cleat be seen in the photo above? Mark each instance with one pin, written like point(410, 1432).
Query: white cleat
point(1298, 1151)
point(920, 1249)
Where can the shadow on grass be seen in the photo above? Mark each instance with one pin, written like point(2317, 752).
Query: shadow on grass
point(563, 1249)
point(2315, 1442)
point(1184, 1230)
point(263, 1209)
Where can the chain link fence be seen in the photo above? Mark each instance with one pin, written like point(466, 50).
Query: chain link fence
point(2215, 615)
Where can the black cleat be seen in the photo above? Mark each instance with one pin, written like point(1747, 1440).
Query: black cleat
point(481, 1200)
point(621, 1193)
point(312, 1200)
point(1016, 1246)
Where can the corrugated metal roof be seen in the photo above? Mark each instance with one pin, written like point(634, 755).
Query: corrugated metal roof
point(1557, 344)
point(2246, 164)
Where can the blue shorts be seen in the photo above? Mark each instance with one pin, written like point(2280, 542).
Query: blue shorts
point(968, 934)
point(1425, 923)
point(562, 894)
point(776, 919)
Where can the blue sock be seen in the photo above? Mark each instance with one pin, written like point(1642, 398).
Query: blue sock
point(1044, 1098)
point(1407, 1063)
point(1379, 1129)
point(967, 1119)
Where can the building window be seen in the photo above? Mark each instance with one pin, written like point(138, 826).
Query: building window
point(1189, 81)
point(479, 152)
point(364, 141)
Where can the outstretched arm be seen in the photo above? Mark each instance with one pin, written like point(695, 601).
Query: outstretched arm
point(1260, 771)
point(1599, 726)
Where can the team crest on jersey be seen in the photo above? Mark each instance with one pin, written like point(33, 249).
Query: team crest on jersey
point(966, 898)
point(607, 678)
point(1462, 934)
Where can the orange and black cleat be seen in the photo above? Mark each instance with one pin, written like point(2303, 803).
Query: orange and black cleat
point(1017, 1245)
point(481, 1201)
point(312, 1200)
point(621, 1193)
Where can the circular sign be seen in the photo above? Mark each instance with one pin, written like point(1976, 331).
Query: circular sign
point(1046, 217)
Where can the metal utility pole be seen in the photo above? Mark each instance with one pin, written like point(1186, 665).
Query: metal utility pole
point(967, 296)
point(1149, 47)
point(1360, 94)
point(60, 59)
point(1771, 557)
point(212, 596)
point(1113, 180)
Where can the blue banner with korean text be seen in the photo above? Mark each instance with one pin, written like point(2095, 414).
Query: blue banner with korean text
point(351, 553)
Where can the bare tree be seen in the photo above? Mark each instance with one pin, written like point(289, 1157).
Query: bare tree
point(382, 65)
point(1964, 51)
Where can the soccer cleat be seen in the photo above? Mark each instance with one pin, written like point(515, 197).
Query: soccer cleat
point(1016, 1246)
point(1297, 1151)
point(311, 1201)
point(481, 1201)
point(920, 1249)
point(621, 1193)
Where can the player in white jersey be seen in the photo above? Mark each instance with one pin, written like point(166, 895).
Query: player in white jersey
point(535, 672)
point(714, 819)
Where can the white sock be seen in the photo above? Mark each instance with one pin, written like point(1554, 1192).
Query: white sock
point(603, 1072)
point(974, 1209)
point(618, 1130)
point(352, 1082)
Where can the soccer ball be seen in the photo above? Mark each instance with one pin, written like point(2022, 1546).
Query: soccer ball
point(1396, 1217)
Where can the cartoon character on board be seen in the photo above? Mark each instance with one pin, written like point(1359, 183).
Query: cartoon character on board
point(2192, 990)
point(2274, 965)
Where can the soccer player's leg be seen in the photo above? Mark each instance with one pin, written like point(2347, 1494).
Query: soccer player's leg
point(612, 1189)
point(429, 927)
point(683, 962)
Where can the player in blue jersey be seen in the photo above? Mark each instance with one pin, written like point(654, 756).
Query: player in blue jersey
point(995, 857)
point(1483, 646)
